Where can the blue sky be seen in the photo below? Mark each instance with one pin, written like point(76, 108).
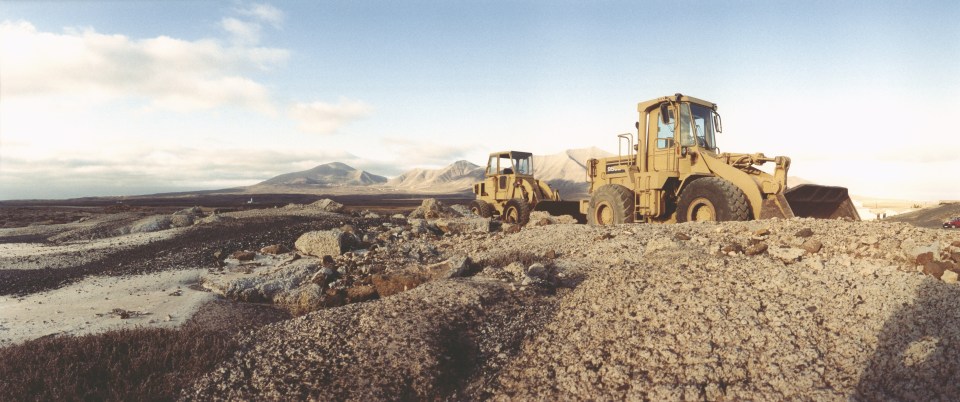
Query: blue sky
point(112, 98)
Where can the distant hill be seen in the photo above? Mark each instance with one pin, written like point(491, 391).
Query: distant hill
point(566, 171)
point(567, 165)
point(334, 174)
point(458, 177)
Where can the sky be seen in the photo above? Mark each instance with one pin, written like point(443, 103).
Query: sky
point(136, 97)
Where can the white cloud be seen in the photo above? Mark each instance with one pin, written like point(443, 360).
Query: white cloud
point(243, 32)
point(88, 113)
point(169, 73)
point(265, 13)
point(327, 118)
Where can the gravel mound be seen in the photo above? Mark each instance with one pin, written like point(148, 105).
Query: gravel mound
point(762, 310)
point(417, 345)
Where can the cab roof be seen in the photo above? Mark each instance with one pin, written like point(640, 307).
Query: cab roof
point(650, 104)
point(509, 153)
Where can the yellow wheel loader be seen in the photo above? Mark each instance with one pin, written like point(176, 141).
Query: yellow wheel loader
point(676, 173)
point(510, 191)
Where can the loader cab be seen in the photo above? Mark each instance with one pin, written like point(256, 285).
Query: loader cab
point(511, 162)
point(503, 169)
point(674, 126)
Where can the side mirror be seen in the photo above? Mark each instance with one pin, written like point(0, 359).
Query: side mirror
point(665, 113)
point(717, 123)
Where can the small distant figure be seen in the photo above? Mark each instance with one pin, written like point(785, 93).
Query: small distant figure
point(251, 201)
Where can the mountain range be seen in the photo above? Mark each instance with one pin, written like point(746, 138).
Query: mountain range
point(457, 177)
point(564, 171)
point(334, 174)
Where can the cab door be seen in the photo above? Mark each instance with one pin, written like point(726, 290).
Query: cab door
point(499, 173)
point(663, 141)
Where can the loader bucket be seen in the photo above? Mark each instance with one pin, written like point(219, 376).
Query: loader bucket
point(823, 202)
point(557, 208)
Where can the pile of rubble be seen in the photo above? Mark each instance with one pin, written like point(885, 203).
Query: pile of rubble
point(331, 268)
point(777, 309)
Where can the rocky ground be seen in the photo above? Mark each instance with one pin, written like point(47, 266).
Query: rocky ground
point(434, 305)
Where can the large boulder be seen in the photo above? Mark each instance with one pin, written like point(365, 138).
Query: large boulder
point(455, 267)
point(328, 205)
point(151, 224)
point(186, 217)
point(274, 285)
point(326, 242)
point(432, 208)
point(463, 225)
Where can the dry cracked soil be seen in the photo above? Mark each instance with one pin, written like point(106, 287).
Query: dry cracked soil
point(442, 307)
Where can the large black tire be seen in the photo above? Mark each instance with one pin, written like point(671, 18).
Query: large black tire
point(611, 204)
point(712, 199)
point(516, 211)
point(481, 208)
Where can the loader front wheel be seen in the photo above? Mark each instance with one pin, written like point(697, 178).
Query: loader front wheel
point(712, 199)
point(516, 211)
point(611, 204)
point(481, 208)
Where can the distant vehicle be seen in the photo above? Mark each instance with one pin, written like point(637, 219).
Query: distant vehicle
point(510, 191)
point(953, 223)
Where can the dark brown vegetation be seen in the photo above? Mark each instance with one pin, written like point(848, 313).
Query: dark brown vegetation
point(146, 364)
point(139, 364)
point(14, 217)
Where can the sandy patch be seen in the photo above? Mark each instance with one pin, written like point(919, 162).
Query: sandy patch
point(27, 255)
point(91, 305)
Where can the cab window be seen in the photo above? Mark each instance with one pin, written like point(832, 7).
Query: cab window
point(686, 126)
point(665, 131)
point(523, 165)
point(492, 166)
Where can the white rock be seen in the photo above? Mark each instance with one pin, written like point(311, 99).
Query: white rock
point(788, 255)
point(325, 242)
point(949, 277)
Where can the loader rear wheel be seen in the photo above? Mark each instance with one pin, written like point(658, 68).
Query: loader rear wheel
point(481, 208)
point(611, 204)
point(516, 211)
point(712, 199)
